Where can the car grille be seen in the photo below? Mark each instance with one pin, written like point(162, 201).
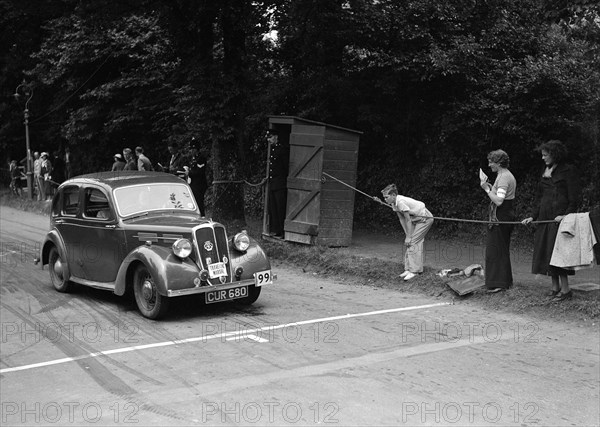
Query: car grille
point(211, 243)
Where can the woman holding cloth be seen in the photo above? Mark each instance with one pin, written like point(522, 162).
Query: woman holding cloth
point(498, 270)
point(557, 195)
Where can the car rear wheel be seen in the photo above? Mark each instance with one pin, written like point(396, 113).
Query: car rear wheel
point(253, 294)
point(57, 267)
point(150, 303)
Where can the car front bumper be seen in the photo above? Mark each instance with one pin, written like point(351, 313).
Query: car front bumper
point(203, 288)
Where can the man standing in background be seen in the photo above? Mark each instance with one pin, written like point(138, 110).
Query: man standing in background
point(143, 162)
point(130, 162)
point(177, 162)
point(45, 173)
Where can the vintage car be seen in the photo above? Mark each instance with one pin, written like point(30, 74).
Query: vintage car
point(142, 231)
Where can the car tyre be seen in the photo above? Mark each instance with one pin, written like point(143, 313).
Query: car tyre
point(253, 294)
point(150, 303)
point(57, 266)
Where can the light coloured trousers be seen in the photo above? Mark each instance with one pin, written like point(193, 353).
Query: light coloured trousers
point(41, 186)
point(413, 257)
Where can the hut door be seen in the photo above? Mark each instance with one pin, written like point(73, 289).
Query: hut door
point(304, 185)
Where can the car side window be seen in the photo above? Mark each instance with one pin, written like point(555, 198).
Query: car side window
point(70, 200)
point(96, 204)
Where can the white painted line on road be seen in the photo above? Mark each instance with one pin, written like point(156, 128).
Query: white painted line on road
point(231, 335)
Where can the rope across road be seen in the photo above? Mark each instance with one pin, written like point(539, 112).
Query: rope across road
point(476, 221)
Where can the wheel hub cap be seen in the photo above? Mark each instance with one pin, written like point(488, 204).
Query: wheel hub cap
point(58, 269)
point(148, 290)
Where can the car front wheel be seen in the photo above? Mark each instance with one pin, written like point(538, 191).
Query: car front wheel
point(150, 303)
point(57, 267)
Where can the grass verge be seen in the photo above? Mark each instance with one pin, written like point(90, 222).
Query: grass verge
point(24, 204)
point(525, 298)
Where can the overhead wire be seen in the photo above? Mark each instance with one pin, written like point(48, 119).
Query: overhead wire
point(74, 92)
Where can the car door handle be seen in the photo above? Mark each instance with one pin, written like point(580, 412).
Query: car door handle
point(110, 226)
point(59, 221)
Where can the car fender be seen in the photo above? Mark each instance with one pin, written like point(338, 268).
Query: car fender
point(53, 238)
point(252, 260)
point(167, 270)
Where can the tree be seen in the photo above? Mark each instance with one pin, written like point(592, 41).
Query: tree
point(19, 37)
point(437, 83)
point(113, 73)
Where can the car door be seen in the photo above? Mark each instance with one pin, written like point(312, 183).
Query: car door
point(67, 223)
point(102, 249)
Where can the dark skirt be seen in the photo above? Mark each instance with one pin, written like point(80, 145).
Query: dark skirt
point(498, 270)
point(543, 245)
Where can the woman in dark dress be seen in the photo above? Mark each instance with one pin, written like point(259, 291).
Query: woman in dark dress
point(557, 195)
point(58, 169)
point(498, 269)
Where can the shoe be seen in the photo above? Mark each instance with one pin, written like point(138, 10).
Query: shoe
point(561, 297)
point(403, 275)
point(494, 290)
point(552, 294)
point(409, 276)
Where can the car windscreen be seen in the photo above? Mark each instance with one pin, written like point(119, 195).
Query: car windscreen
point(153, 197)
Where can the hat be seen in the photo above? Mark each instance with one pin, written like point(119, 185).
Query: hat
point(118, 156)
point(44, 154)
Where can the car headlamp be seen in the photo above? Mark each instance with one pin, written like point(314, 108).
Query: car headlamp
point(241, 241)
point(182, 248)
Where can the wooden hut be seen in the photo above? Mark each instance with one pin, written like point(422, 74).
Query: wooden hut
point(319, 209)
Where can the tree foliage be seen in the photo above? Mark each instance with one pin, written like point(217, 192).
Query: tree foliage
point(432, 85)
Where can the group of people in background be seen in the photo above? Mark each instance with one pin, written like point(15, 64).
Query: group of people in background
point(132, 161)
point(557, 195)
point(190, 166)
point(48, 173)
point(51, 171)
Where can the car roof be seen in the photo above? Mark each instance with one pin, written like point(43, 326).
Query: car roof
point(124, 178)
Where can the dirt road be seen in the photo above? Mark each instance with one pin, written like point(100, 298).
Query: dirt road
point(310, 351)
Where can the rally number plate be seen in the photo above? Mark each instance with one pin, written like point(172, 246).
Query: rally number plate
point(263, 278)
point(226, 294)
point(217, 270)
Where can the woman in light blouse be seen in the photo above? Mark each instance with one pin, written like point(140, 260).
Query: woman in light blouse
point(501, 195)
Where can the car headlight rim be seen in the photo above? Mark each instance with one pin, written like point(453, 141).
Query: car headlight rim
point(241, 241)
point(182, 248)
